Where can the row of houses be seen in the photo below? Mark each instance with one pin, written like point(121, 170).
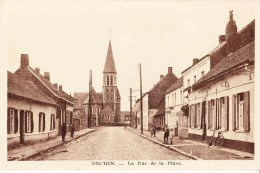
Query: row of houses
point(36, 107)
point(215, 93)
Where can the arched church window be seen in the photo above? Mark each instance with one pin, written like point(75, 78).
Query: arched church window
point(112, 95)
point(115, 80)
point(107, 94)
point(107, 80)
point(111, 80)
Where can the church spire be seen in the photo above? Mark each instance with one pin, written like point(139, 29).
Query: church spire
point(110, 63)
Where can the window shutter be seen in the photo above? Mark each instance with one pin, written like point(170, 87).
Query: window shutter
point(247, 111)
point(193, 116)
point(226, 113)
point(214, 114)
point(40, 122)
point(8, 120)
point(218, 118)
point(15, 121)
point(190, 116)
point(32, 123)
point(54, 122)
point(51, 123)
point(234, 109)
point(200, 116)
point(209, 116)
point(25, 118)
point(43, 122)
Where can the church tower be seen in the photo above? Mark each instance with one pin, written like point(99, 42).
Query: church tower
point(111, 96)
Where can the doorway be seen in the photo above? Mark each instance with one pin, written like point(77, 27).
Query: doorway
point(21, 126)
point(204, 129)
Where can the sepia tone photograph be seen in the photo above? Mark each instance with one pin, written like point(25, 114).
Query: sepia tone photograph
point(126, 84)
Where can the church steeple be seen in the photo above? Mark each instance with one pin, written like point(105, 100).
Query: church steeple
point(110, 63)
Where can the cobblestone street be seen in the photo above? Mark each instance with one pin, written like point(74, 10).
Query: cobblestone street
point(111, 143)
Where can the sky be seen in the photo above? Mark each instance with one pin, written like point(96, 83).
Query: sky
point(69, 38)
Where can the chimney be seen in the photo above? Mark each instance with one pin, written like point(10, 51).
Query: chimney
point(24, 60)
point(37, 70)
point(60, 88)
point(195, 61)
point(47, 75)
point(222, 38)
point(169, 70)
point(55, 86)
point(231, 35)
point(161, 76)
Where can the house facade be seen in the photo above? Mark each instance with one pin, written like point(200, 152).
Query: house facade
point(176, 117)
point(64, 102)
point(31, 114)
point(223, 99)
point(153, 100)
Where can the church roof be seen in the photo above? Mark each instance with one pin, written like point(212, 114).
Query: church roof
point(110, 63)
point(97, 98)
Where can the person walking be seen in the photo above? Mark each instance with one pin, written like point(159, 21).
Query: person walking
point(171, 135)
point(166, 135)
point(72, 129)
point(63, 132)
point(154, 131)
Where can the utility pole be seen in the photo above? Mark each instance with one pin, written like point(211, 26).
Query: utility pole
point(131, 107)
point(141, 98)
point(89, 100)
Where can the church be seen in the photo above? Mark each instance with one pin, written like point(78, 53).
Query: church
point(104, 106)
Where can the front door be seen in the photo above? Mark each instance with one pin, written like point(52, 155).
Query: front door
point(21, 126)
point(204, 130)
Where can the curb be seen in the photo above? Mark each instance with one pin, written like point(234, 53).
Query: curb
point(168, 147)
point(54, 147)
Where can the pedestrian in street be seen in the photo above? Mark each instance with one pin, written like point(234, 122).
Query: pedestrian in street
point(166, 135)
point(72, 129)
point(171, 135)
point(154, 131)
point(63, 132)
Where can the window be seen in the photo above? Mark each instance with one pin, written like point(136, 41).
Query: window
point(168, 100)
point(174, 99)
point(241, 112)
point(194, 79)
point(188, 82)
point(111, 80)
point(112, 95)
point(52, 124)
point(41, 122)
point(211, 113)
point(12, 120)
point(218, 113)
point(107, 94)
point(181, 96)
point(197, 116)
point(202, 73)
point(29, 122)
point(106, 117)
point(192, 116)
point(107, 80)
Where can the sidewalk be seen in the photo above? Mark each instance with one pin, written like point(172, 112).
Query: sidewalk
point(195, 150)
point(27, 151)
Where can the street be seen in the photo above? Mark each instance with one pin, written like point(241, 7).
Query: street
point(111, 143)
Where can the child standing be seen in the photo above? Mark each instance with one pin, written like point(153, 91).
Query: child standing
point(171, 135)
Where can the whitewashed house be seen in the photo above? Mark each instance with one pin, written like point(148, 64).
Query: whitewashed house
point(223, 99)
